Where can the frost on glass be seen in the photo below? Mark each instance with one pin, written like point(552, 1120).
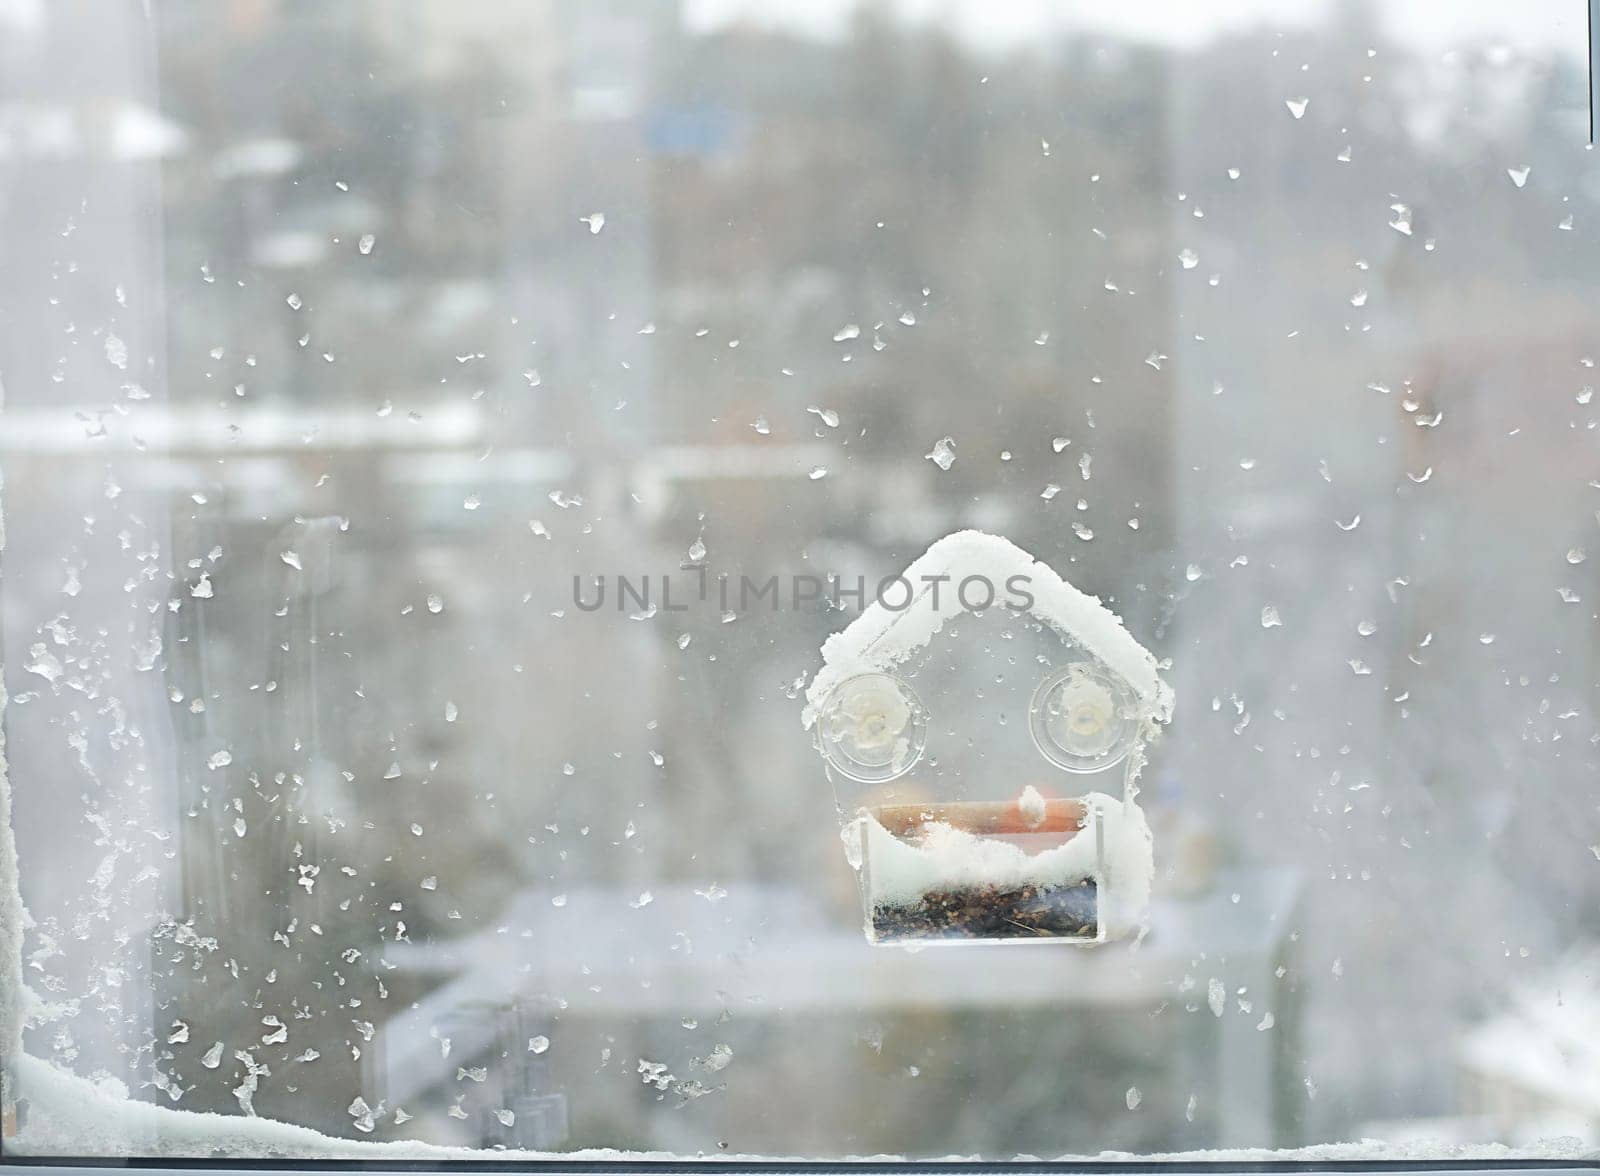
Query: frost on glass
point(339, 340)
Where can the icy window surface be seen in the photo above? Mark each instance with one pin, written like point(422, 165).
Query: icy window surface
point(437, 441)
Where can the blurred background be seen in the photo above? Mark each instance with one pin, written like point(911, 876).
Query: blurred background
point(337, 339)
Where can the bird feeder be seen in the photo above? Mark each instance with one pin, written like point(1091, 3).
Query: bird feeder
point(959, 720)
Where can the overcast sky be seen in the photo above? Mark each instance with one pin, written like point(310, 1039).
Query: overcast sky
point(1539, 25)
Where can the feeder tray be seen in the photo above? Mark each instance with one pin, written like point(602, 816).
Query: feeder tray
point(959, 904)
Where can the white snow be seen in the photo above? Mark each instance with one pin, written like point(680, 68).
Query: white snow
point(69, 1115)
point(1545, 1041)
point(881, 637)
point(11, 913)
point(896, 872)
point(1031, 805)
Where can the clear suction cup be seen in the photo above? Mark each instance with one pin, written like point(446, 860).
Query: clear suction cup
point(872, 728)
point(1083, 718)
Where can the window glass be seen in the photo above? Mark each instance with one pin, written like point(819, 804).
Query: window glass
point(429, 429)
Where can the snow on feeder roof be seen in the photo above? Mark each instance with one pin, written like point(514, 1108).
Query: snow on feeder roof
point(882, 637)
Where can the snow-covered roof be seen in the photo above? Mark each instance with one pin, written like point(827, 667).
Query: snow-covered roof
point(881, 637)
point(1547, 1041)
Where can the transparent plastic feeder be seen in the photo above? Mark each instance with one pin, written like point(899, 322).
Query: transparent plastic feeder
point(984, 760)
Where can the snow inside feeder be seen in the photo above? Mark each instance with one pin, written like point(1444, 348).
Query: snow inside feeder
point(960, 741)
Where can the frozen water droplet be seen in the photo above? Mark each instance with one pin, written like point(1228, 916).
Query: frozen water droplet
point(645, 899)
point(683, 640)
point(1059, 443)
point(292, 559)
point(1519, 175)
point(116, 352)
point(1486, 638)
point(1084, 462)
point(595, 220)
point(202, 590)
point(1585, 394)
point(1133, 1098)
point(1190, 1109)
point(1366, 628)
point(239, 827)
point(558, 900)
point(1188, 258)
point(1565, 223)
point(294, 301)
point(435, 603)
point(1216, 997)
point(1568, 596)
point(943, 453)
point(1081, 531)
point(538, 1044)
point(847, 332)
point(826, 415)
point(219, 759)
point(471, 502)
point(44, 663)
point(1575, 555)
point(431, 882)
point(1233, 173)
point(366, 243)
point(1297, 106)
point(1192, 573)
point(760, 425)
point(450, 712)
point(818, 472)
point(1359, 298)
point(1402, 218)
point(697, 550)
point(1050, 491)
point(1350, 526)
point(908, 319)
point(1270, 618)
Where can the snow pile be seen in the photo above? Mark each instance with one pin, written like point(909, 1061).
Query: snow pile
point(899, 873)
point(1545, 1042)
point(881, 638)
point(11, 914)
point(71, 1116)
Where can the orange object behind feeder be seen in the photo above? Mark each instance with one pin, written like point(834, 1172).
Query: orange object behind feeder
point(984, 818)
